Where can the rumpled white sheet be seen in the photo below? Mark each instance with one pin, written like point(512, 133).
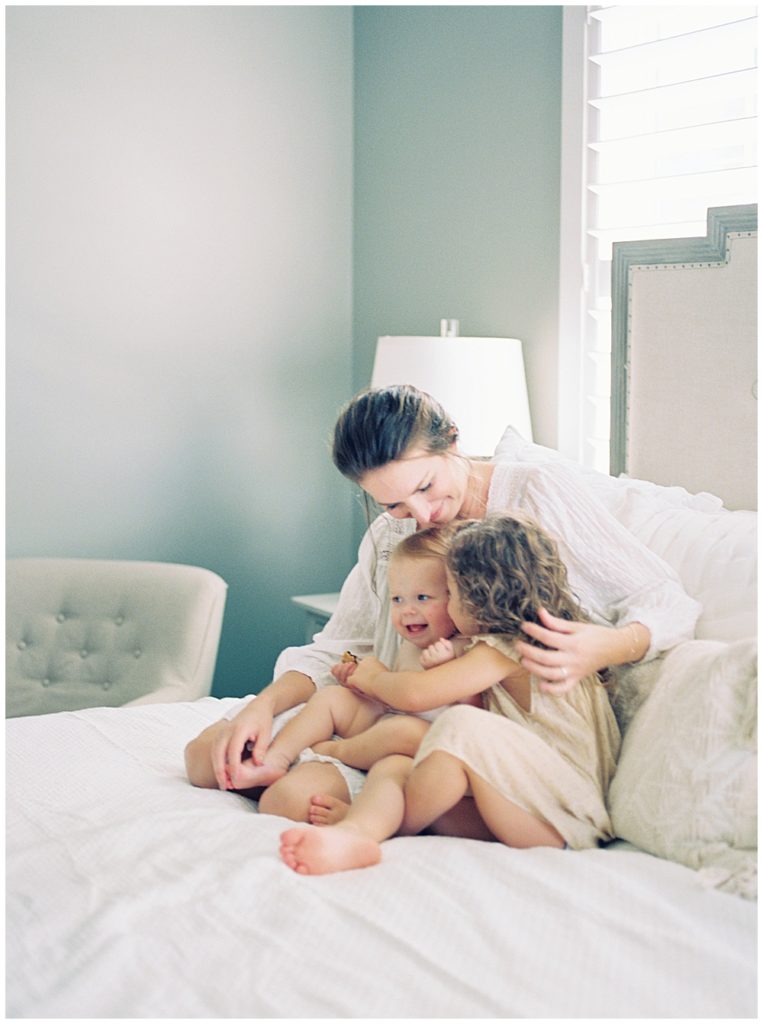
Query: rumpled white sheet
point(131, 894)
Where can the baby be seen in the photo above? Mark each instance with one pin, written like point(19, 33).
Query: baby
point(369, 730)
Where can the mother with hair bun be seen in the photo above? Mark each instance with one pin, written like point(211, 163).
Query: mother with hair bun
point(401, 447)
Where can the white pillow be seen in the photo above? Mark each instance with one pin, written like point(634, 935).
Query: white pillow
point(715, 556)
point(713, 550)
point(686, 783)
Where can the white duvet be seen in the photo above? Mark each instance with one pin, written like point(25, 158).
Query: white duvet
point(131, 894)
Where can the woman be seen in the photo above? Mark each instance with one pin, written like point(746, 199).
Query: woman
point(401, 447)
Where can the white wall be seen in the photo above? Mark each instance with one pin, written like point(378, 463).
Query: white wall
point(179, 196)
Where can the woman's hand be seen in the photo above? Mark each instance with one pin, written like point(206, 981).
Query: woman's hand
point(577, 649)
point(251, 727)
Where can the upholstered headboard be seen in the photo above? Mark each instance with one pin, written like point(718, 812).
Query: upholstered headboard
point(684, 359)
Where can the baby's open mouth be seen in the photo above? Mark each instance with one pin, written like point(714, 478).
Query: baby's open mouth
point(416, 627)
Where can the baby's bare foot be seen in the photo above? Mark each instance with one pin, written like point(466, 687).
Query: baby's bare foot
point(321, 851)
point(251, 775)
point(326, 810)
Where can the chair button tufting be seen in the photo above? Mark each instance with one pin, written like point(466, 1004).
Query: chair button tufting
point(106, 685)
point(21, 645)
point(46, 682)
point(83, 653)
point(60, 617)
point(137, 652)
point(119, 620)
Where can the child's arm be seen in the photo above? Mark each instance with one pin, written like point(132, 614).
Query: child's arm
point(480, 668)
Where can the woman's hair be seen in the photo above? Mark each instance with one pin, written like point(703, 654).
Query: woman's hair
point(380, 425)
point(506, 568)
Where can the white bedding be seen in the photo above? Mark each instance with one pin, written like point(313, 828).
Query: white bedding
point(132, 894)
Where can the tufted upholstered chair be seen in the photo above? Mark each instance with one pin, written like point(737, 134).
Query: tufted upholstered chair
point(89, 633)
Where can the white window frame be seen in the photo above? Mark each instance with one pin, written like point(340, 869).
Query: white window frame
point(570, 430)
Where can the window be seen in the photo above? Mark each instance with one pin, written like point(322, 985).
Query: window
point(659, 123)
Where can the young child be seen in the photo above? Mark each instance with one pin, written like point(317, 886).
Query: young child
point(367, 731)
point(533, 766)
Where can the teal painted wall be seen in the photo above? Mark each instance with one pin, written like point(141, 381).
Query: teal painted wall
point(179, 185)
point(457, 152)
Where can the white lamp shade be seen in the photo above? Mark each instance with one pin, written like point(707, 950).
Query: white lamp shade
point(480, 382)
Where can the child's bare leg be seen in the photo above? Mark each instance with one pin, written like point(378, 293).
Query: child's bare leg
point(290, 796)
point(441, 781)
point(333, 709)
point(355, 841)
point(464, 821)
point(399, 734)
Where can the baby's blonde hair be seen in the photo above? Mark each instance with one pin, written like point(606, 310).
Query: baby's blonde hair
point(431, 542)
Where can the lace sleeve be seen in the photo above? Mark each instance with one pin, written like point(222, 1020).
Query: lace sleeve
point(614, 576)
point(361, 620)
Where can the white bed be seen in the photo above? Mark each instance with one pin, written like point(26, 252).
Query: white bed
point(132, 894)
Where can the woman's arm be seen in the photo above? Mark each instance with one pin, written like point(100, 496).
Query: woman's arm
point(477, 670)
point(618, 580)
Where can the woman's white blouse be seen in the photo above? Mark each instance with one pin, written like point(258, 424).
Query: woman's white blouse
point(614, 576)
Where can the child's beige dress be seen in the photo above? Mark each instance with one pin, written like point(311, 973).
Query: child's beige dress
point(555, 761)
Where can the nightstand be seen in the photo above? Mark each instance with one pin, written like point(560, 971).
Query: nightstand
point(319, 608)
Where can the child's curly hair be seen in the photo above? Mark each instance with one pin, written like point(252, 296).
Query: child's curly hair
point(506, 568)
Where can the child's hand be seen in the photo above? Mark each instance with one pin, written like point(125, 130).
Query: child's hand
point(364, 674)
point(342, 671)
point(437, 654)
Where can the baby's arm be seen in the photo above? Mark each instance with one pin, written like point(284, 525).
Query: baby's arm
point(398, 734)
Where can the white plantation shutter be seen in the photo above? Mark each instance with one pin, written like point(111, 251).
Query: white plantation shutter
point(666, 127)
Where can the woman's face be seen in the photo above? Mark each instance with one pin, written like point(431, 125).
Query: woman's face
point(429, 488)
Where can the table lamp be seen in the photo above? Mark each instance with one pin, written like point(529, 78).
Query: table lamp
point(480, 382)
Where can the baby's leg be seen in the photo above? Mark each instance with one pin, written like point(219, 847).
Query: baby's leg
point(331, 710)
point(355, 841)
point(398, 734)
point(290, 796)
point(441, 781)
